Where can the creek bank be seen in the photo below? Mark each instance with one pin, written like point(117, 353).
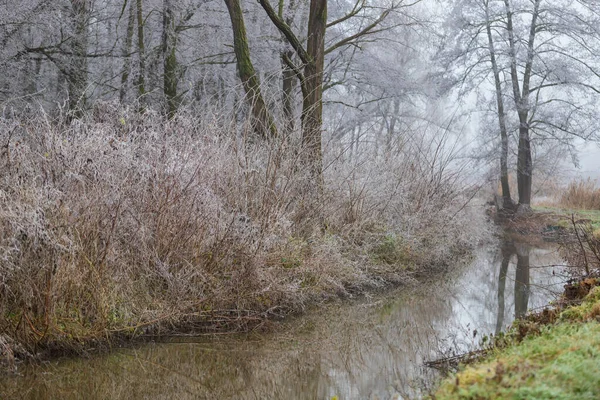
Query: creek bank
point(387, 268)
point(549, 224)
point(554, 353)
point(113, 230)
point(547, 354)
point(357, 348)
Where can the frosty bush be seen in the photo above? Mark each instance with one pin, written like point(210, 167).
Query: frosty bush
point(123, 221)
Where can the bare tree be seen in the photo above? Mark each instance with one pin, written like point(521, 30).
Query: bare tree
point(141, 46)
point(543, 61)
point(262, 120)
point(311, 77)
point(127, 47)
point(310, 72)
point(507, 201)
point(521, 99)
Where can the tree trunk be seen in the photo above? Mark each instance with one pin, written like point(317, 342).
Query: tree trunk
point(127, 52)
point(288, 86)
point(507, 203)
point(312, 106)
point(262, 120)
point(33, 67)
point(392, 127)
point(77, 67)
point(524, 162)
point(524, 165)
point(141, 81)
point(170, 64)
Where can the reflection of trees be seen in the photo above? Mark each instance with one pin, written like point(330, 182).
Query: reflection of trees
point(352, 351)
point(522, 280)
point(507, 249)
point(385, 348)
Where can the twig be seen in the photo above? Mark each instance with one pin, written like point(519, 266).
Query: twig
point(587, 268)
point(443, 364)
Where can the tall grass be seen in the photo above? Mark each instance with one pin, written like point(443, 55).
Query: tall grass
point(123, 223)
point(582, 194)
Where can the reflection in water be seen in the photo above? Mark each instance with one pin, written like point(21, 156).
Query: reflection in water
point(506, 251)
point(372, 348)
point(522, 275)
point(522, 280)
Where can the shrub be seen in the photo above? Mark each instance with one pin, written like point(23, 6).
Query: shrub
point(125, 222)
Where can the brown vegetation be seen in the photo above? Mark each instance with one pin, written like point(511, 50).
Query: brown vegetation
point(583, 248)
point(125, 224)
point(582, 194)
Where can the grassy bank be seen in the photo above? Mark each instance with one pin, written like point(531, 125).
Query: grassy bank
point(124, 225)
point(577, 231)
point(577, 203)
point(561, 217)
point(551, 355)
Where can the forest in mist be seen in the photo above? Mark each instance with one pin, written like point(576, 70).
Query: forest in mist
point(386, 70)
point(165, 162)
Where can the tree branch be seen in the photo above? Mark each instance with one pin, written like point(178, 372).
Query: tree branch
point(363, 32)
point(287, 31)
point(358, 6)
point(290, 64)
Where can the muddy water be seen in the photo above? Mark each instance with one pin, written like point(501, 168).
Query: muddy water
point(371, 348)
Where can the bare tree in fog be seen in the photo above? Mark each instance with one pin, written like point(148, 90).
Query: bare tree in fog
point(539, 60)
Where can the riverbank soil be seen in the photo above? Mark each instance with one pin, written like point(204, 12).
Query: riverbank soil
point(554, 354)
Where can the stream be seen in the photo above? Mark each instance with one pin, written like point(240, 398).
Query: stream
point(367, 348)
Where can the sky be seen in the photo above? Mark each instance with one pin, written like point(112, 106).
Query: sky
point(589, 155)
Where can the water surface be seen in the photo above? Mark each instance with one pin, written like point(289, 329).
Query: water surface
point(368, 348)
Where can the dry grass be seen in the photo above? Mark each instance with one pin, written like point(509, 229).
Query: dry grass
point(123, 223)
point(582, 195)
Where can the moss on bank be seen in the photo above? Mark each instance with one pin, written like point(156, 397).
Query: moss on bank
point(559, 360)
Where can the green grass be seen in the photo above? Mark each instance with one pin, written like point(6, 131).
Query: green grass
point(564, 215)
point(392, 250)
point(562, 362)
point(589, 309)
